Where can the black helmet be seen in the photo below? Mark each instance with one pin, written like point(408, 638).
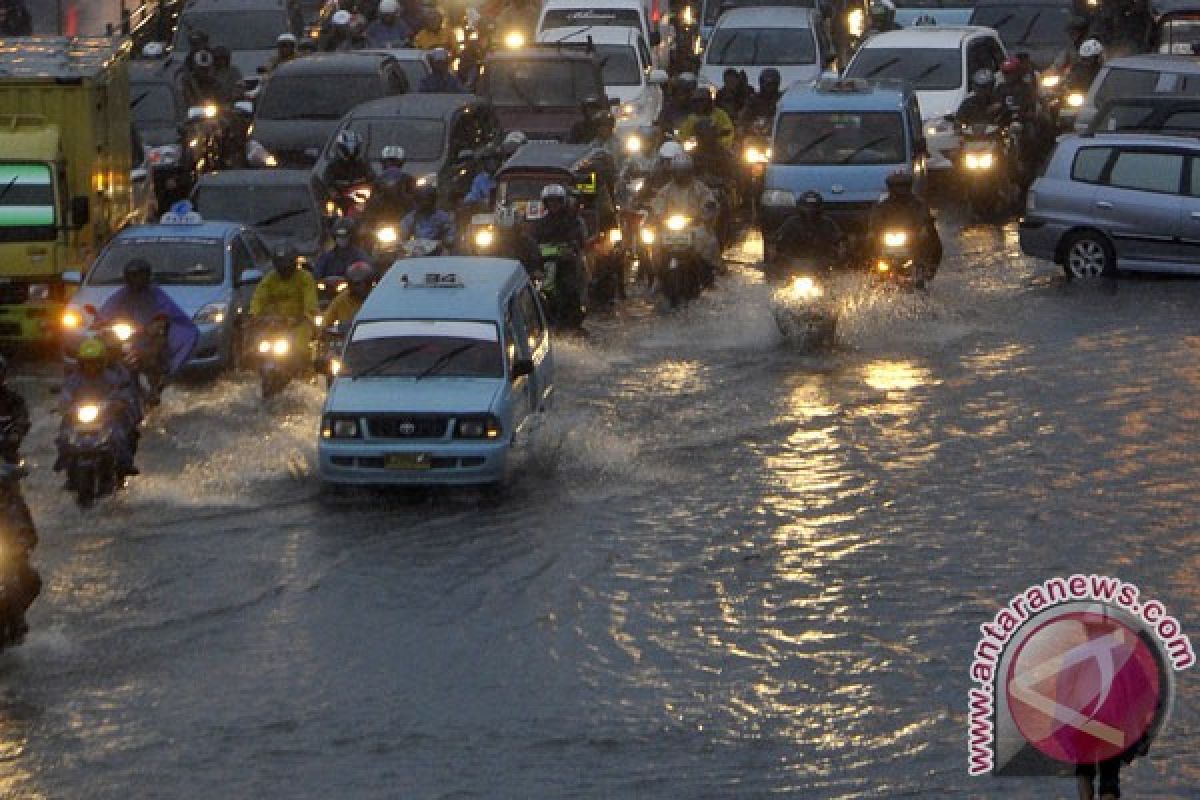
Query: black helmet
point(705, 129)
point(770, 75)
point(344, 226)
point(283, 256)
point(426, 192)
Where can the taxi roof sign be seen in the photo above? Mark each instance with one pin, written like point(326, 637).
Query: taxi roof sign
point(181, 213)
point(842, 85)
point(433, 280)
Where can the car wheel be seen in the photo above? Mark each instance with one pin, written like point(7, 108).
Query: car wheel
point(1088, 255)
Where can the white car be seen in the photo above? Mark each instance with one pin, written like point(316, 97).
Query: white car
point(938, 63)
point(589, 16)
point(790, 39)
point(628, 74)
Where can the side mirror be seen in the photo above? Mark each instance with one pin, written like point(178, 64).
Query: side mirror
point(195, 113)
point(657, 77)
point(522, 367)
point(249, 276)
point(72, 276)
point(81, 211)
point(655, 38)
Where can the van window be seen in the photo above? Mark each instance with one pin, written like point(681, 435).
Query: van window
point(935, 69)
point(1148, 172)
point(1188, 121)
point(531, 318)
point(1121, 82)
point(1089, 164)
point(714, 8)
point(314, 97)
point(829, 137)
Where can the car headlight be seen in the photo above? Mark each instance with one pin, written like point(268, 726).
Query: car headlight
point(647, 235)
point(615, 236)
point(427, 180)
point(633, 143)
point(980, 160)
point(779, 198)
point(122, 330)
point(1075, 100)
point(387, 235)
point(280, 347)
point(895, 238)
point(1050, 80)
point(264, 347)
point(211, 314)
point(164, 155)
point(805, 288)
point(477, 428)
point(87, 414)
point(753, 155)
point(856, 22)
point(677, 222)
point(514, 40)
point(72, 319)
point(484, 238)
point(340, 428)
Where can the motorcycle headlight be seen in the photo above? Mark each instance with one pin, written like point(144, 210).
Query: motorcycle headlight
point(460, 35)
point(895, 238)
point(689, 145)
point(614, 236)
point(1075, 100)
point(210, 111)
point(688, 16)
point(882, 266)
point(211, 314)
point(484, 238)
point(514, 40)
point(980, 160)
point(87, 414)
point(633, 143)
point(1051, 81)
point(319, 320)
point(163, 155)
point(122, 330)
point(648, 235)
point(677, 222)
point(937, 127)
point(637, 184)
point(698, 46)
point(427, 180)
point(264, 347)
point(387, 235)
point(72, 319)
point(335, 366)
point(280, 347)
point(805, 288)
point(755, 156)
point(856, 22)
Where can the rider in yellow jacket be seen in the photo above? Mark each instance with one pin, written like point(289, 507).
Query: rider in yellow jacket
point(703, 107)
point(289, 293)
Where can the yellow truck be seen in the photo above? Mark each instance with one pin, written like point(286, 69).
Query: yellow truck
point(65, 166)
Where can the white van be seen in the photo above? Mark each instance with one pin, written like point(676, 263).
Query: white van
point(648, 16)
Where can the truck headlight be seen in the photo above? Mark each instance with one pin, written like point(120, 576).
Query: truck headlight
point(895, 238)
point(1075, 100)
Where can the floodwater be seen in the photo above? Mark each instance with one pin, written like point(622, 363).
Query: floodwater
point(724, 569)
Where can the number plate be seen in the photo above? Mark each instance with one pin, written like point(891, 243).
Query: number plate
point(408, 461)
point(677, 238)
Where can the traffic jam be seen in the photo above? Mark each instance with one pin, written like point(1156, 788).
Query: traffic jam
point(287, 265)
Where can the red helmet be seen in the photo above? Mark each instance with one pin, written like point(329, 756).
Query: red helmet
point(1011, 66)
point(360, 272)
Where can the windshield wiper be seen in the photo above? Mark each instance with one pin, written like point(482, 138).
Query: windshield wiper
point(1029, 28)
point(925, 73)
point(386, 361)
point(823, 137)
point(139, 98)
point(519, 92)
point(445, 358)
point(864, 146)
point(891, 62)
point(1000, 23)
point(573, 34)
point(8, 187)
point(280, 217)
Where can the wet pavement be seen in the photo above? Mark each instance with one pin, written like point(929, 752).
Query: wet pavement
point(725, 569)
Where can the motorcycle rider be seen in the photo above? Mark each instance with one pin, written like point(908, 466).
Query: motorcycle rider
point(982, 105)
point(440, 79)
point(702, 107)
point(140, 303)
point(901, 209)
point(1125, 25)
point(484, 182)
point(285, 51)
point(676, 101)
point(200, 84)
point(340, 35)
point(762, 104)
point(348, 167)
point(95, 377)
point(388, 29)
point(227, 76)
point(1084, 70)
point(685, 194)
point(734, 93)
point(360, 279)
point(1016, 92)
point(560, 225)
point(334, 262)
point(1077, 30)
point(392, 193)
point(427, 221)
point(434, 34)
point(660, 176)
point(287, 293)
point(18, 533)
point(881, 17)
point(811, 231)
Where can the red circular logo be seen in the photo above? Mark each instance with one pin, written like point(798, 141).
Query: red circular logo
point(1083, 687)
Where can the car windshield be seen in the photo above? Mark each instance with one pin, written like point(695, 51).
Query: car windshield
point(422, 139)
point(27, 210)
point(542, 83)
point(926, 69)
point(823, 137)
point(1124, 82)
point(317, 96)
point(152, 102)
point(714, 8)
point(619, 65)
point(425, 349)
point(177, 262)
point(275, 209)
point(602, 18)
point(1180, 35)
point(755, 47)
point(1026, 25)
point(237, 30)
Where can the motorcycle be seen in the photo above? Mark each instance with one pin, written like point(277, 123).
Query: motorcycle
point(277, 359)
point(756, 152)
point(330, 343)
point(803, 310)
point(680, 270)
point(348, 199)
point(327, 289)
point(144, 354)
point(88, 449)
point(20, 583)
point(897, 260)
point(987, 169)
point(560, 284)
point(611, 262)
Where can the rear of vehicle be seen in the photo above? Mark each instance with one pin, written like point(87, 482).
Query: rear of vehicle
point(1038, 28)
point(157, 111)
point(1177, 31)
point(942, 12)
point(248, 28)
point(1134, 75)
point(559, 17)
point(542, 91)
point(841, 139)
point(792, 41)
point(280, 206)
point(627, 71)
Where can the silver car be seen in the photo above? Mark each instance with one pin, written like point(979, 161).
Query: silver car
point(1132, 75)
point(1117, 200)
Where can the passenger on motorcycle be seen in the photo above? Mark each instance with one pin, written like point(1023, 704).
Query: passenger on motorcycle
point(685, 194)
point(200, 84)
point(881, 16)
point(703, 108)
point(734, 93)
point(983, 105)
point(388, 29)
point(285, 51)
point(96, 377)
point(348, 167)
point(440, 79)
point(484, 182)
point(227, 76)
point(342, 34)
point(434, 34)
point(14, 418)
point(287, 293)
point(812, 232)
point(360, 279)
point(676, 101)
point(427, 221)
point(762, 104)
point(1084, 70)
point(142, 304)
point(901, 209)
point(334, 262)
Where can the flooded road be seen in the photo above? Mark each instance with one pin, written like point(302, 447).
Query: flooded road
point(725, 569)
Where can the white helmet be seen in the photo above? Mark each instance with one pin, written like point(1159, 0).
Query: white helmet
point(681, 162)
point(393, 152)
point(388, 7)
point(286, 38)
point(153, 50)
point(669, 150)
point(553, 190)
point(341, 18)
point(1091, 48)
point(513, 142)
